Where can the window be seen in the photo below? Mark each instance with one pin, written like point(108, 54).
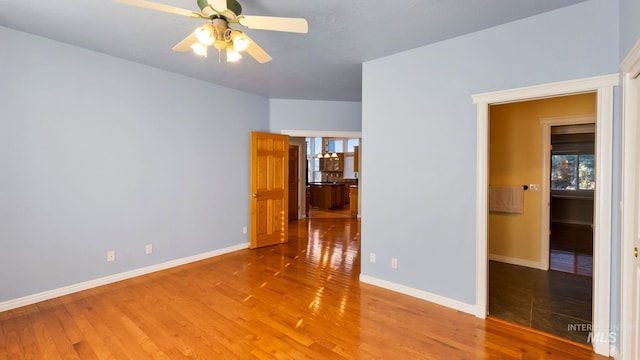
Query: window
point(351, 144)
point(318, 145)
point(572, 159)
point(572, 172)
point(335, 145)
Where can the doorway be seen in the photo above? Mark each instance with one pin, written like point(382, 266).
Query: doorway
point(603, 87)
point(294, 164)
point(521, 287)
point(572, 183)
point(305, 151)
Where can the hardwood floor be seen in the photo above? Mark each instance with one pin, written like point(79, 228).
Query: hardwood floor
point(300, 300)
point(334, 213)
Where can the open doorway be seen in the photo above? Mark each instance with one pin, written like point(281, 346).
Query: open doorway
point(572, 183)
point(326, 187)
point(522, 289)
point(603, 87)
point(332, 173)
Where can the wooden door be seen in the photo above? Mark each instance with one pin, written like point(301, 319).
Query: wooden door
point(293, 182)
point(269, 189)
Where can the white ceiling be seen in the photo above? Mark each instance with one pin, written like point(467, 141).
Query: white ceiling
point(324, 64)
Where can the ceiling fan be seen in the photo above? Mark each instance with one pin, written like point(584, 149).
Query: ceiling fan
point(220, 14)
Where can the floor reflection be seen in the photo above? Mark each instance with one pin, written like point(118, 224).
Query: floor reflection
point(298, 300)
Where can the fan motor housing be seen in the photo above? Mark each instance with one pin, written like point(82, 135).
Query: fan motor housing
point(232, 5)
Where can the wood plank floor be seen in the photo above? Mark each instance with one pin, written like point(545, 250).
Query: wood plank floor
point(301, 300)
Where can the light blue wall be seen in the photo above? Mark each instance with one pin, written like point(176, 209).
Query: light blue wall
point(419, 125)
point(98, 154)
point(629, 25)
point(315, 115)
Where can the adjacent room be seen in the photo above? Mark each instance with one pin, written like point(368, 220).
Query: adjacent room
point(542, 268)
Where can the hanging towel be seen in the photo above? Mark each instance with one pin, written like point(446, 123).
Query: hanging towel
point(506, 199)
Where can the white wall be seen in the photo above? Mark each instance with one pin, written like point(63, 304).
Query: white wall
point(419, 126)
point(98, 154)
point(629, 25)
point(315, 115)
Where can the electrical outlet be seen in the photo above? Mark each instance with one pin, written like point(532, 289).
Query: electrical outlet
point(372, 257)
point(111, 255)
point(394, 263)
point(148, 249)
point(244, 230)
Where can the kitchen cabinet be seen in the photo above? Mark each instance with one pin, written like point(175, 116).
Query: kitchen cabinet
point(356, 158)
point(332, 164)
point(327, 195)
point(347, 193)
point(353, 206)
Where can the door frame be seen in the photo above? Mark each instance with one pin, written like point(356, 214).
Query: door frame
point(603, 86)
point(630, 113)
point(545, 199)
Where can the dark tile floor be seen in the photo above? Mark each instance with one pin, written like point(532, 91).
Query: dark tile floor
point(555, 302)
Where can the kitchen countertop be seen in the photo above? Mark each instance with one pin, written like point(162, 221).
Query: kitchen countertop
point(332, 183)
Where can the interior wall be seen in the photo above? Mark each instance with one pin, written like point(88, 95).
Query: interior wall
point(286, 114)
point(98, 154)
point(515, 158)
point(420, 207)
point(629, 25)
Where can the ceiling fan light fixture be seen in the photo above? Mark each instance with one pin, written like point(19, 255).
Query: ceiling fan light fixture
point(205, 34)
point(219, 14)
point(240, 41)
point(220, 44)
point(199, 49)
point(232, 55)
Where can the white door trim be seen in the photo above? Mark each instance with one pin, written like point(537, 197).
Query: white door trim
point(603, 86)
point(630, 68)
point(322, 133)
point(545, 199)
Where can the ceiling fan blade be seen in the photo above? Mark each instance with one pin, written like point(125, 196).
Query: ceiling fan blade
point(185, 45)
point(158, 7)
point(297, 25)
point(257, 52)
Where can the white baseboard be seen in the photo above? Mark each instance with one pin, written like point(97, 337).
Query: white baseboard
point(516, 261)
point(437, 299)
point(614, 352)
point(50, 294)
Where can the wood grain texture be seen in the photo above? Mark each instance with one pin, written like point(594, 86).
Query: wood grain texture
point(300, 300)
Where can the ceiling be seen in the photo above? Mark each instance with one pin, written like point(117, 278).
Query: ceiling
point(324, 64)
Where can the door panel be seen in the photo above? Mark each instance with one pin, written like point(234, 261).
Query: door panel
point(269, 189)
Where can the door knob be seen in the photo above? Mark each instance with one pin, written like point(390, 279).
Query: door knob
point(635, 252)
point(255, 196)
